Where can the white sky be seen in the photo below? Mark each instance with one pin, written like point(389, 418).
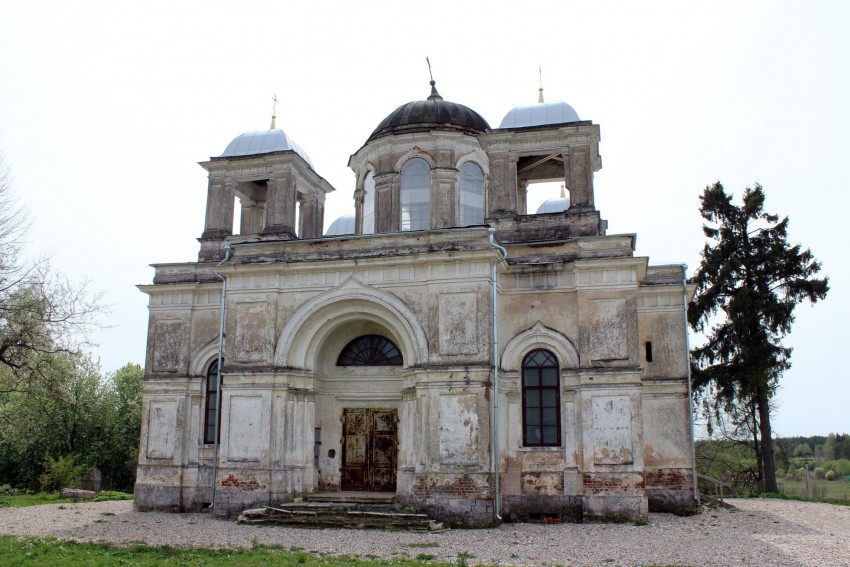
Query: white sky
point(106, 108)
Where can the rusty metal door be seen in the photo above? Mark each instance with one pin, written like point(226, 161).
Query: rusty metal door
point(369, 449)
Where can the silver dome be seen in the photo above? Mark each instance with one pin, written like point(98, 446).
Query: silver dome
point(539, 115)
point(556, 205)
point(342, 225)
point(263, 142)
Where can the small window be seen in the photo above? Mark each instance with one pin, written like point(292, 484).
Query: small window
point(416, 195)
point(368, 204)
point(471, 189)
point(370, 350)
point(648, 351)
point(212, 412)
point(541, 400)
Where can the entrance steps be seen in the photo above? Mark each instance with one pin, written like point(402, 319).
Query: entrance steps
point(359, 510)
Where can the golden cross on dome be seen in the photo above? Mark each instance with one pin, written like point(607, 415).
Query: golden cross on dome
point(274, 111)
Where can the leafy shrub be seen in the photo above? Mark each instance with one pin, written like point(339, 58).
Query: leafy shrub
point(7, 490)
point(830, 475)
point(61, 473)
point(841, 466)
point(819, 472)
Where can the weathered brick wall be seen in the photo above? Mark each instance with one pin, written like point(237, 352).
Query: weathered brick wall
point(610, 483)
point(671, 490)
point(676, 479)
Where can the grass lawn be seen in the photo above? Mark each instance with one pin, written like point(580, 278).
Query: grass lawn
point(38, 551)
point(835, 489)
point(21, 500)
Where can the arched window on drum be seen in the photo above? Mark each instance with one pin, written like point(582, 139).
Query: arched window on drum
point(471, 189)
point(368, 226)
point(541, 400)
point(415, 195)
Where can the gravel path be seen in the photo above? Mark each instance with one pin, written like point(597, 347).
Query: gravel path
point(761, 532)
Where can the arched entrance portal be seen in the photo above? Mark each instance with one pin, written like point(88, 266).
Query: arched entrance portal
point(359, 345)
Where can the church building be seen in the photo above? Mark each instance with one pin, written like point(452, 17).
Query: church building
point(480, 358)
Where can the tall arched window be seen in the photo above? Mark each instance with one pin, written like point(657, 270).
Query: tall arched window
point(416, 195)
point(541, 400)
point(471, 189)
point(212, 411)
point(370, 350)
point(368, 226)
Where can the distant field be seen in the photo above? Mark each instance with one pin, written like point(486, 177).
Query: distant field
point(838, 489)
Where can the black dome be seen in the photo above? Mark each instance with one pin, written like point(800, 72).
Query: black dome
point(432, 114)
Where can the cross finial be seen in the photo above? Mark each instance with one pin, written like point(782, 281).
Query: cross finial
point(434, 94)
point(540, 90)
point(274, 111)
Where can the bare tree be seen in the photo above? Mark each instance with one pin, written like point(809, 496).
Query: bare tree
point(42, 313)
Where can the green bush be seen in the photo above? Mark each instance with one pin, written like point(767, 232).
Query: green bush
point(7, 490)
point(841, 466)
point(61, 473)
point(819, 472)
point(830, 475)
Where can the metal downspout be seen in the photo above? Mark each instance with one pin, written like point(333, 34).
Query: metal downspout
point(218, 373)
point(497, 501)
point(690, 391)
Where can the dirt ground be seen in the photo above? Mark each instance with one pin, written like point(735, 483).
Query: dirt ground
point(759, 532)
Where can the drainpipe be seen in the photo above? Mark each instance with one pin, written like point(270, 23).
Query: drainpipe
point(497, 501)
point(218, 372)
point(690, 392)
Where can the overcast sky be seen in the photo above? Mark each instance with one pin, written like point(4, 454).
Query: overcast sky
point(106, 108)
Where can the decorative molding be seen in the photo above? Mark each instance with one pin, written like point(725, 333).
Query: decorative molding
point(415, 152)
point(203, 358)
point(539, 336)
point(306, 330)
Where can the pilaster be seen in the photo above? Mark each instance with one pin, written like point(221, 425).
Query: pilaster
point(281, 204)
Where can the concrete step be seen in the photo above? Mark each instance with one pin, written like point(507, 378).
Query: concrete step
point(379, 513)
point(350, 496)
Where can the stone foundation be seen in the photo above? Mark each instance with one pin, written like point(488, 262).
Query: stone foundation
point(679, 502)
point(671, 490)
point(456, 512)
point(147, 498)
point(615, 508)
point(460, 500)
point(533, 507)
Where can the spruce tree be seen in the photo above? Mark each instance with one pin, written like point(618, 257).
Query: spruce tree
point(748, 283)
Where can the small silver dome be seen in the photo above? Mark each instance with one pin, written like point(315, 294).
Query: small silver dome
point(342, 225)
point(263, 142)
point(539, 115)
point(556, 205)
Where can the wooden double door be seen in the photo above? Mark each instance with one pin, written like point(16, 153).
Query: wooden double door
point(369, 449)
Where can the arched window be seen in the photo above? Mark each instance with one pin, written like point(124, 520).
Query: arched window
point(416, 195)
point(541, 400)
point(370, 350)
point(471, 188)
point(368, 204)
point(212, 411)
